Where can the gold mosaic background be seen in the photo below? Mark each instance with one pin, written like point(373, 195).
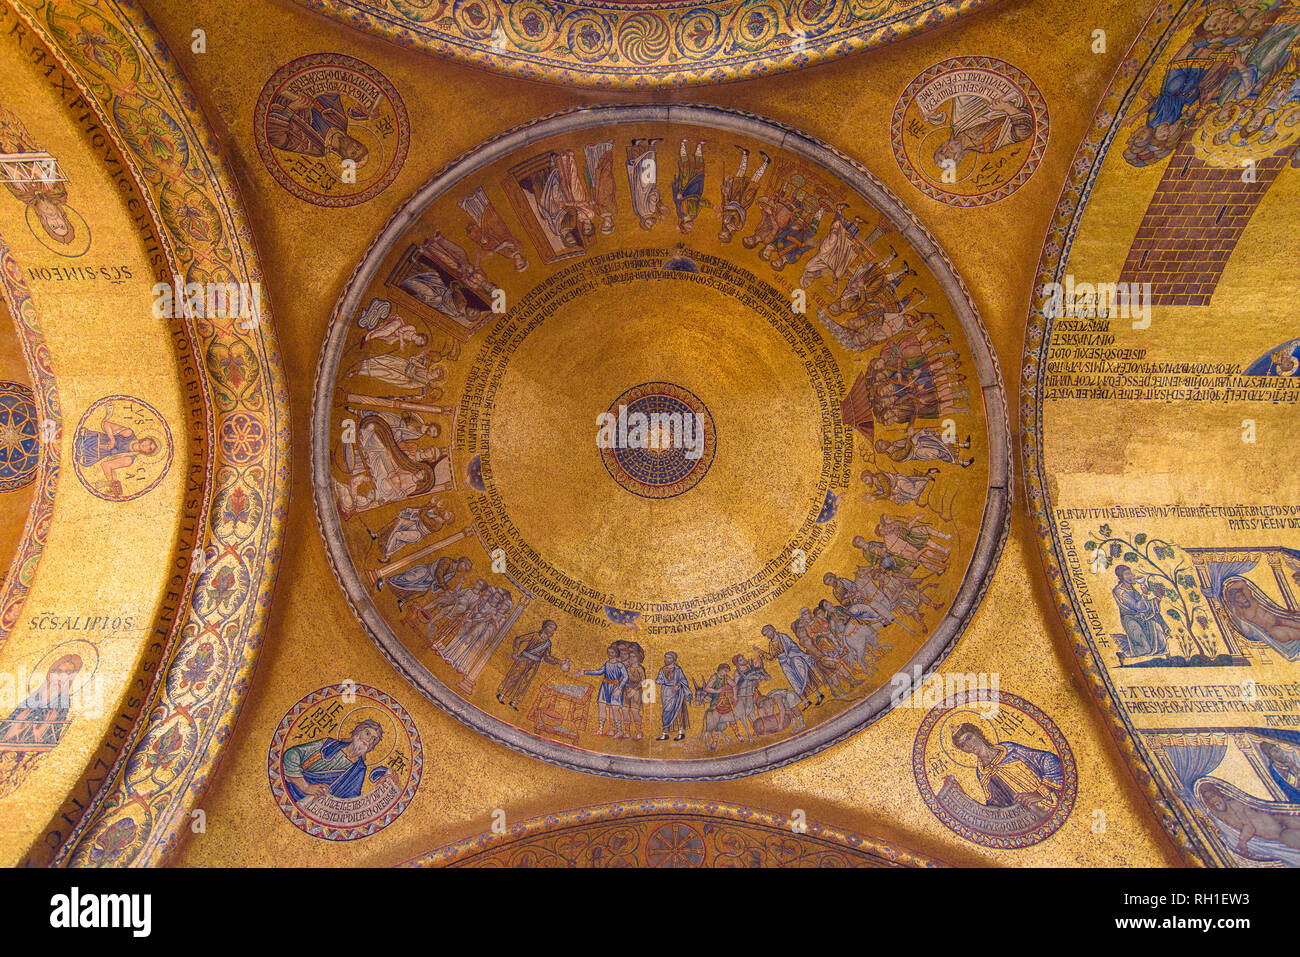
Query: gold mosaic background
point(861, 786)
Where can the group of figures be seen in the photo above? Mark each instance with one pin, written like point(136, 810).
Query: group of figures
point(1234, 84)
point(829, 651)
point(391, 452)
point(466, 610)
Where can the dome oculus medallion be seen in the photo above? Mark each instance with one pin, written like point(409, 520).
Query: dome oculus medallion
point(655, 441)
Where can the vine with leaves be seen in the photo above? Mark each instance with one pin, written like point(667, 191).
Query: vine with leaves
point(1147, 553)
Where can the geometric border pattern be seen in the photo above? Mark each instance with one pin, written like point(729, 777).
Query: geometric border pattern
point(460, 853)
point(1034, 100)
point(1123, 92)
point(123, 71)
point(603, 44)
point(1070, 772)
point(275, 757)
point(18, 469)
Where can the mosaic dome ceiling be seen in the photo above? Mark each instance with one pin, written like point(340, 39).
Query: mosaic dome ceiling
point(436, 438)
point(479, 471)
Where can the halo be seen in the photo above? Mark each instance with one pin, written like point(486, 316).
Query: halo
point(78, 223)
point(157, 439)
point(374, 158)
point(925, 155)
point(384, 718)
point(956, 755)
point(89, 656)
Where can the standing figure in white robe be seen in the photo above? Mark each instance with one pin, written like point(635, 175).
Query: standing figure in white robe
point(643, 182)
point(382, 325)
point(837, 252)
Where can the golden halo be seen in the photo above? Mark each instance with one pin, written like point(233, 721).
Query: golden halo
point(956, 755)
point(79, 224)
point(373, 168)
point(385, 720)
point(925, 156)
point(89, 664)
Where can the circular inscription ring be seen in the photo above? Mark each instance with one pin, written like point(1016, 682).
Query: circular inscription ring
point(122, 448)
point(331, 129)
point(970, 131)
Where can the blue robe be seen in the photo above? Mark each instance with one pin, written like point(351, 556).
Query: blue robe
point(675, 693)
point(1043, 763)
point(430, 577)
point(1143, 627)
point(796, 663)
point(92, 447)
point(1181, 89)
point(614, 676)
point(343, 784)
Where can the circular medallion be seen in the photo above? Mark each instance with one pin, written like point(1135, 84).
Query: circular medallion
point(345, 762)
point(658, 440)
point(970, 131)
point(332, 130)
point(995, 769)
point(20, 436)
point(655, 443)
point(123, 448)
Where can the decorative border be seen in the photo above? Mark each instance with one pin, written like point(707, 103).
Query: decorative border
point(942, 639)
point(22, 570)
point(341, 61)
point(463, 851)
point(275, 758)
point(1069, 770)
point(603, 44)
point(1124, 89)
point(1033, 98)
point(122, 69)
point(167, 434)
